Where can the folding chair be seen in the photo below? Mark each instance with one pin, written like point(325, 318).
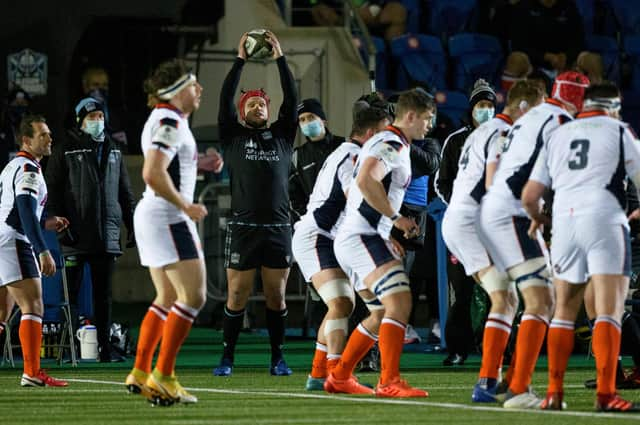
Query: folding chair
point(67, 336)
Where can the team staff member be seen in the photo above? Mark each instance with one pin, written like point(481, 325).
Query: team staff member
point(89, 184)
point(166, 234)
point(22, 200)
point(258, 158)
point(309, 157)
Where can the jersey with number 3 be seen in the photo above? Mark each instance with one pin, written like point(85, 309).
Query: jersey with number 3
point(167, 130)
point(392, 150)
point(519, 154)
point(585, 162)
point(21, 176)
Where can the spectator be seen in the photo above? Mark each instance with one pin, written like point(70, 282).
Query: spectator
point(95, 84)
point(383, 18)
point(258, 156)
point(17, 106)
point(482, 102)
point(547, 33)
point(308, 158)
point(88, 184)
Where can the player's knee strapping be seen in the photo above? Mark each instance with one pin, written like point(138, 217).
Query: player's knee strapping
point(394, 280)
point(372, 304)
point(494, 280)
point(531, 273)
point(336, 288)
point(341, 324)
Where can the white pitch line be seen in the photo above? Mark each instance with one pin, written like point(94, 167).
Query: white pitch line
point(393, 401)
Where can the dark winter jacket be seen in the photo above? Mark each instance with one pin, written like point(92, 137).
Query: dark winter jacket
point(96, 198)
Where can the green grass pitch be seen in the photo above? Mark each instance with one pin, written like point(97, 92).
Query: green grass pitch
point(96, 394)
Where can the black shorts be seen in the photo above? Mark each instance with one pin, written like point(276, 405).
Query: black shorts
point(249, 246)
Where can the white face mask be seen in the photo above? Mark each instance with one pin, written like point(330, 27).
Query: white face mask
point(94, 128)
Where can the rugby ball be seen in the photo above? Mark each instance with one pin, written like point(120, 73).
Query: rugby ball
point(256, 44)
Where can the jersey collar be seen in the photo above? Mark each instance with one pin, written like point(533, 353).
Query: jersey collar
point(554, 102)
point(505, 118)
point(169, 106)
point(27, 155)
point(392, 128)
point(594, 113)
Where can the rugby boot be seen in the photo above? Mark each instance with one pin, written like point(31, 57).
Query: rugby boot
point(41, 380)
point(345, 386)
point(399, 388)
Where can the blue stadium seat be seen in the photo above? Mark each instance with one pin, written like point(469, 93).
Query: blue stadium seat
point(448, 17)
point(632, 49)
point(587, 12)
point(453, 104)
point(630, 110)
point(607, 47)
point(419, 57)
point(381, 59)
point(474, 56)
point(627, 13)
point(413, 15)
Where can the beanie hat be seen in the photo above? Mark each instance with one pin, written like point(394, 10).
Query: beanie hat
point(249, 94)
point(313, 106)
point(481, 91)
point(85, 107)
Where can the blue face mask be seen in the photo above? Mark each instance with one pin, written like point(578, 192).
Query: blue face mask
point(312, 129)
point(482, 115)
point(94, 128)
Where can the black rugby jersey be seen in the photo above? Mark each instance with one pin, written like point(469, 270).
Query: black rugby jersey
point(259, 160)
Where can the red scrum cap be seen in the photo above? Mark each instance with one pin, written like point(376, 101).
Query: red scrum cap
point(569, 87)
point(249, 94)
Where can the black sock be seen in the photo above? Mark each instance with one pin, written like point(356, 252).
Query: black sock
point(276, 325)
point(231, 326)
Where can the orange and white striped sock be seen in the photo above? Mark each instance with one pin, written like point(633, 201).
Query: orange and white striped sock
point(319, 363)
point(530, 337)
point(606, 347)
point(176, 329)
point(150, 333)
point(391, 343)
point(559, 348)
point(508, 377)
point(358, 344)
point(30, 333)
point(496, 336)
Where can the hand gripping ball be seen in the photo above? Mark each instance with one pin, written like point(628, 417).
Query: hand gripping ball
point(256, 44)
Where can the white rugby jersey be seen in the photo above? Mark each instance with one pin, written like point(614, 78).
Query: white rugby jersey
point(478, 150)
point(585, 162)
point(168, 131)
point(519, 153)
point(21, 176)
point(327, 201)
point(392, 149)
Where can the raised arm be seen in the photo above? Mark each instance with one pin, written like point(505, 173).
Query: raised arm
point(287, 115)
point(227, 112)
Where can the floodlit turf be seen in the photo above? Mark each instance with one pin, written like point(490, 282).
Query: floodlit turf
point(96, 395)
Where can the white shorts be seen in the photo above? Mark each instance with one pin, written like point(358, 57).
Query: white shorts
point(359, 255)
point(312, 250)
point(460, 235)
point(587, 245)
point(17, 262)
point(506, 238)
point(161, 243)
